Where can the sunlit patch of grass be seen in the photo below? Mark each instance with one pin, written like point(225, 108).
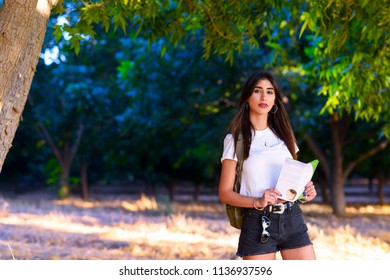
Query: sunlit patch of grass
point(200, 207)
point(131, 204)
point(324, 209)
point(316, 209)
point(78, 203)
point(142, 204)
point(345, 243)
point(369, 209)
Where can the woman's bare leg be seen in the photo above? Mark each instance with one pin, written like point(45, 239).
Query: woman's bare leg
point(303, 253)
point(271, 256)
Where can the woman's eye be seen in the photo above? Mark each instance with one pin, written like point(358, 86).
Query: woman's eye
point(270, 92)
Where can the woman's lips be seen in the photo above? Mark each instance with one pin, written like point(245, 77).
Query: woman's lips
point(263, 105)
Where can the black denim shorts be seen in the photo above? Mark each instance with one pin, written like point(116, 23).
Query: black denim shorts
point(287, 231)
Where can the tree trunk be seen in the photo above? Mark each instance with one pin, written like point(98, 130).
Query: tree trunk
point(84, 180)
point(371, 186)
point(23, 26)
point(338, 196)
point(171, 191)
point(381, 189)
point(197, 191)
point(325, 188)
point(64, 190)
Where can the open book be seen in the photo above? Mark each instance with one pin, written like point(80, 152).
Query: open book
point(294, 177)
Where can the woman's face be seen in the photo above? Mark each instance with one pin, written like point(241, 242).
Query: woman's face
point(262, 98)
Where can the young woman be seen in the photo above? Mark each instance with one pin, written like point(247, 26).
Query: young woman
point(268, 139)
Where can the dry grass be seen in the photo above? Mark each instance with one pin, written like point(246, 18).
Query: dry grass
point(149, 228)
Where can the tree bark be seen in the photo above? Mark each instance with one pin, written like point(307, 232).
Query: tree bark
point(338, 196)
point(84, 180)
point(64, 190)
point(23, 26)
point(382, 180)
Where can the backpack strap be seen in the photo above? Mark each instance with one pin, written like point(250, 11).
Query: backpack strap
point(240, 162)
point(234, 213)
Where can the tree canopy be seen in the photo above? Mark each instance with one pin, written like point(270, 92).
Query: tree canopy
point(349, 40)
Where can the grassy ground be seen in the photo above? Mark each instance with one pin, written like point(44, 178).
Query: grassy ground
point(42, 227)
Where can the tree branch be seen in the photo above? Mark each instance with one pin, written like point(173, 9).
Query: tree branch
point(215, 26)
point(319, 154)
point(364, 156)
point(76, 144)
point(46, 135)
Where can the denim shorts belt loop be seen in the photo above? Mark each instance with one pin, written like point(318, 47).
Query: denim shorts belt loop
point(278, 208)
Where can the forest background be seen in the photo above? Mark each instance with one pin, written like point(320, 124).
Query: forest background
point(139, 94)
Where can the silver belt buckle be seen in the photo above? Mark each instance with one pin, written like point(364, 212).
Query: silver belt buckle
point(281, 207)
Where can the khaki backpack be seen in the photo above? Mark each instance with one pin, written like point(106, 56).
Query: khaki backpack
point(234, 213)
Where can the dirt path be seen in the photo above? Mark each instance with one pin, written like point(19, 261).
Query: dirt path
point(41, 227)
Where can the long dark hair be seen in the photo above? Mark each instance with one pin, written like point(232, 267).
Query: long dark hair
point(278, 122)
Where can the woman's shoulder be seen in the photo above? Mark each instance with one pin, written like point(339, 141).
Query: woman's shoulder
point(229, 137)
point(228, 148)
point(228, 140)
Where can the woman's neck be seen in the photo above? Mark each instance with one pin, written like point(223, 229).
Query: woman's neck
point(259, 122)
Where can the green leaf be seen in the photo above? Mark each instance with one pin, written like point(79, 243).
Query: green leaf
point(163, 50)
point(273, 45)
point(305, 17)
point(57, 33)
point(75, 44)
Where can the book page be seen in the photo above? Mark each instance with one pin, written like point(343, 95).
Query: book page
point(294, 177)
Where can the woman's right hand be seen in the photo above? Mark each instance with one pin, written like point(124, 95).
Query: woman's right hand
point(270, 197)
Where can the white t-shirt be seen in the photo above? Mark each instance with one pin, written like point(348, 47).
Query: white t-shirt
point(262, 168)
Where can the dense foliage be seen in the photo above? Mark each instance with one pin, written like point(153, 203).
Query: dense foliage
point(146, 89)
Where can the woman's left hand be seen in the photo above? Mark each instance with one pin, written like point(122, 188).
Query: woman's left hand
point(310, 191)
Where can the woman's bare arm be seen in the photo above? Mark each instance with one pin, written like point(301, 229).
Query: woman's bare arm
point(226, 193)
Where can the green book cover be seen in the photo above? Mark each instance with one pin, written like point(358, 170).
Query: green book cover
point(293, 178)
point(314, 163)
